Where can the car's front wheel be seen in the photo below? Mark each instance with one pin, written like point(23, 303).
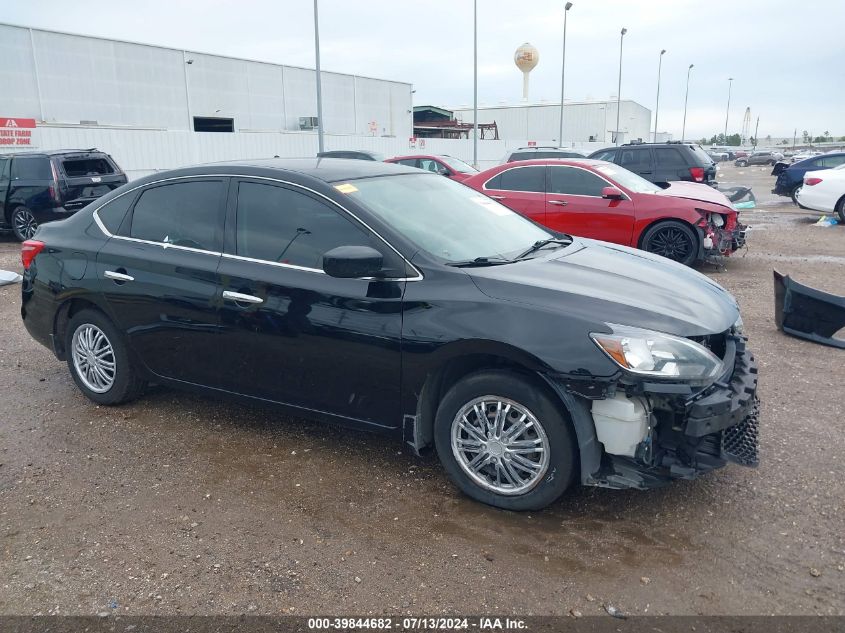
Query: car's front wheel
point(673, 240)
point(741, 163)
point(505, 442)
point(98, 360)
point(24, 224)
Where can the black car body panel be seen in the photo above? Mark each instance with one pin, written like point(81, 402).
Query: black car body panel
point(54, 185)
point(378, 353)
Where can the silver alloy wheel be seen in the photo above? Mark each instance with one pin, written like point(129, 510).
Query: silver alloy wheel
point(93, 358)
point(500, 444)
point(24, 223)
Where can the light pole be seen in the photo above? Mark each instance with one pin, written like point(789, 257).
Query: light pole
point(566, 9)
point(619, 88)
point(319, 81)
point(475, 84)
point(686, 98)
point(657, 103)
point(728, 111)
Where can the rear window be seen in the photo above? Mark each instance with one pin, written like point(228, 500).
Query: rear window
point(538, 155)
point(31, 169)
point(77, 167)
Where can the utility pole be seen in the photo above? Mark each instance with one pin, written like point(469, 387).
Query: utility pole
point(756, 128)
point(657, 102)
point(320, 144)
point(566, 9)
point(475, 83)
point(728, 111)
point(619, 89)
point(686, 98)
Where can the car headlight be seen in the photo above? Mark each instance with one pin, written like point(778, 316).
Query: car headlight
point(658, 355)
point(738, 325)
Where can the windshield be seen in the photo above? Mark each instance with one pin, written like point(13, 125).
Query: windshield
point(628, 179)
point(458, 165)
point(444, 218)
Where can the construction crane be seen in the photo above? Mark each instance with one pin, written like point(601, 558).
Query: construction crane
point(746, 127)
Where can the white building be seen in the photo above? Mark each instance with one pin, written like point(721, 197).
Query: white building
point(155, 107)
point(583, 121)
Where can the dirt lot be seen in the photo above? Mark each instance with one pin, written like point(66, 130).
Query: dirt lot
point(179, 504)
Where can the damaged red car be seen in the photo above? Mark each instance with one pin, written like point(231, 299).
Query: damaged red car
point(687, 222)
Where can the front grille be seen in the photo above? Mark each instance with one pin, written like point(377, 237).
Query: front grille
point(739, 442)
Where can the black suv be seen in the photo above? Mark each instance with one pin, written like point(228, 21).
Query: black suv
point(662, 162)
point(44, 186)
point(534, 152)
point(356, 154)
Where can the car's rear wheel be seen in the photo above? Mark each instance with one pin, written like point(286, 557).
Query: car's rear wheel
point(794, 195)
point(673, 240)
point(505, 442)
point(98, 360)
point(24, 224)
point(742, 163)
point(840, 209)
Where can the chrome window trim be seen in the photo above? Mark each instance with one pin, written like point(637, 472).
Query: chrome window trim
point(107, 233)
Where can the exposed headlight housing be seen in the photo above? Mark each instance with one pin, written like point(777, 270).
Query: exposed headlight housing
point(657, 355)
point(738, 325)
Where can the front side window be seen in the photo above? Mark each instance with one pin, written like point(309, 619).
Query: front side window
point(282, 225)
point(605, 155)
point(520, 179)
point(628, 179)
point(182, 214)
point(444, 218)
point(408, 162)
point(458, 165)
point(575, 182)
point(430, 165)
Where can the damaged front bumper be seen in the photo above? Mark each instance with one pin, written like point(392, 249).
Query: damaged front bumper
point(689, 433)
point(721, 242)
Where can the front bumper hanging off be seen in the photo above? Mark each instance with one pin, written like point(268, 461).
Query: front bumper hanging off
point(693, 435)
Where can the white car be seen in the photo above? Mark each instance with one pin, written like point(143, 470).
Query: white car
point(824, 191)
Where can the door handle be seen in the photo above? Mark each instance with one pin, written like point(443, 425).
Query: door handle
point(238, 297)
point(116, 276)
point(561, 203)
point(497, 197)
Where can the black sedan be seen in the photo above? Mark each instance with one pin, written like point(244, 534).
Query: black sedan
point(386, 298)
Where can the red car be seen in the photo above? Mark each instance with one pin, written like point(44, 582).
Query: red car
point(686, 222)
point(449, 166)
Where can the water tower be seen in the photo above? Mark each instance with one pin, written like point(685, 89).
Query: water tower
point(526, 58)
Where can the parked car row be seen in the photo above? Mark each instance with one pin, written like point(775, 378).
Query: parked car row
point(391, 299)
point(791, 179)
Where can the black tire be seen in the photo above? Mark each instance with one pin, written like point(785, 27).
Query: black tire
point(126, 385)
point(23, 223)
point(672, 239)
point(742, 163)
point(562, 465)
point(794, 195)
point(840, 209)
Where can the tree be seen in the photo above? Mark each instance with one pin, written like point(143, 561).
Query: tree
point(753, 141)
point(806, 136)
point(733, 140)
point(826, 134)
point(703, 141)
point(819, 139)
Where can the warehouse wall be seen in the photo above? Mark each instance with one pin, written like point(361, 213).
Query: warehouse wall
point(142, 152)
point(580, 121)
point(62, 78)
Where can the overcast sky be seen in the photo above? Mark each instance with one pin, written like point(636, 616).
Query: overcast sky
point(787, 57)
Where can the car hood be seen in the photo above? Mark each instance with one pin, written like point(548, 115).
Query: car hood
point(696, 191)
point(602, 282)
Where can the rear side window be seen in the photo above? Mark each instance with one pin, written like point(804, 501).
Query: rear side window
point(4, 167)
point(182, 214)
point(576, 182)
point(520, 179)
point(282, 225)
point(112, 213)
point(31, 169)
point(832, 161)
point(669, 157)
point(636, 159)
point(76, 167)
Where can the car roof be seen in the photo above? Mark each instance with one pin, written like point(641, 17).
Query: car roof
point(54, 152)
point(325, 169)
point(582, 162)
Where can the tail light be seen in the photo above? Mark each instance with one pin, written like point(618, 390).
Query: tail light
point(697, 173)
point(29, 250)
point(812, 181)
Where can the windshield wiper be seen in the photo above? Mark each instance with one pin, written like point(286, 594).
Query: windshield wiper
point(480, 261)
point(536, 246)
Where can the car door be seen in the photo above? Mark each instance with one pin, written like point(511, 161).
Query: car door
point(159, 278)
point(669, 165)
point(522, 189)
point(637, 160)
point(575, 206)
point(291, 333)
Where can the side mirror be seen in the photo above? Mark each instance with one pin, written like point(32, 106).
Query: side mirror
point(612, 193)
point(351, 262)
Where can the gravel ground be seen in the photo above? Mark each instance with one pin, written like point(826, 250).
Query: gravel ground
point(177, 504)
